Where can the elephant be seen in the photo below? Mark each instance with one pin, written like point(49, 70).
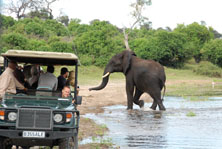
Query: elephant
point(142, 76)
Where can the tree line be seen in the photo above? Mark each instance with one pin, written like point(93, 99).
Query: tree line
point(95, 43)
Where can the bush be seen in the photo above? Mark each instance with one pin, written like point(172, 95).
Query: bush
point(212, 51)
point(14, 41)
point(168, 48)
point(208, 69)
point(18, 28)
point(61, 47)
point(6, 21)
point(35, 28)
point(36, 45)
point(54, 26)
point(86, 60)
point(101, 41)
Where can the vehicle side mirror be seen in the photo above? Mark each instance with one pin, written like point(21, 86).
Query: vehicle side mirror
point(78, 101)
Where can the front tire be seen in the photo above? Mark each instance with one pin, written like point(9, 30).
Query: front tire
point(4, 144)
point(69, 143)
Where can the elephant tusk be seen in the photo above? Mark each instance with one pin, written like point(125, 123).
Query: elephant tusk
point(106, 75)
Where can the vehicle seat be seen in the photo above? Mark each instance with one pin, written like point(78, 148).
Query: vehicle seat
point(40, 91)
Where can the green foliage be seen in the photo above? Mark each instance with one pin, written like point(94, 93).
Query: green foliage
point(14, 41)
point(191, 114)
point(197, 35)
point(37, 45)
point(76, 28)
point(169, 48)
point(208, 69)
point(35, 28)
point(212, 51)
point(61, 46)
point(17, 28)
point(55, 27)
point(100, 42)
point(97, 42)
point(6, 21)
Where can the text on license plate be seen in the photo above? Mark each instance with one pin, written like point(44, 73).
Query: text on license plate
point(33, 134)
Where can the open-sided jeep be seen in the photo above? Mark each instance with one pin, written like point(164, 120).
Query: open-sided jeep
point(31, 119)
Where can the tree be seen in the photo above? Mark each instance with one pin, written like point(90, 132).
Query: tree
point(22, 7)
point(215, 32)
point(138, 17)
point(48, 5)
point(197, 35)
point(168, 48)
point(42, 14)
point(212, 51)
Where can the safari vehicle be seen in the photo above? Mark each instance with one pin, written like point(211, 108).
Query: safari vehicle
point(31, 119)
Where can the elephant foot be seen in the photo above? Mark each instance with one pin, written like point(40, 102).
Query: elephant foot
point(129, 108)
point(141, 103)
point(163, 108)
point(153, 107)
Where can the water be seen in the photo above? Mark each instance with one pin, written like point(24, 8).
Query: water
point(168, 129)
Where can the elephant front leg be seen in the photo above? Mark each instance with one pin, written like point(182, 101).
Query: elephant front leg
point(129, 93)
point(137, 97)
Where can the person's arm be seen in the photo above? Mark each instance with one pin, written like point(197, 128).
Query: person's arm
point(18, 84)
point(4, 84)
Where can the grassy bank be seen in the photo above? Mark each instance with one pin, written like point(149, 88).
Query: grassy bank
point(180, 82)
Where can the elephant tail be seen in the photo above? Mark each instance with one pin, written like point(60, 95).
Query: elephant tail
point(164, 86)
point(164, 90)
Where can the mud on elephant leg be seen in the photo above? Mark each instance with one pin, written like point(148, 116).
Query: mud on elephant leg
point(136, 98)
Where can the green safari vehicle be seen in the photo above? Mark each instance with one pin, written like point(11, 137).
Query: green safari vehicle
point(30, 119)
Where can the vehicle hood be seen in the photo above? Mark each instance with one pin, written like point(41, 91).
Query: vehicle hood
point(53, 104)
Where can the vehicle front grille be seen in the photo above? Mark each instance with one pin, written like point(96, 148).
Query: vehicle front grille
point(34, 118)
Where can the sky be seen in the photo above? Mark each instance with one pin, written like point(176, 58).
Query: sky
point(161, 13)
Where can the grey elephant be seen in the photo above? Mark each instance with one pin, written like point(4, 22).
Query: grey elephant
point(141, 76)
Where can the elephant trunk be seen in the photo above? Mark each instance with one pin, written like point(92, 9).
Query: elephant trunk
point(104, 82)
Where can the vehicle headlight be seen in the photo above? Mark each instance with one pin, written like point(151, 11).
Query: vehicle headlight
point(12, 116)
point(58, 118)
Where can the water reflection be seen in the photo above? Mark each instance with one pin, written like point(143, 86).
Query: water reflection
point(168, 129)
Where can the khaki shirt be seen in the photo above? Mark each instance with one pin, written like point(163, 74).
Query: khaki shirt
point(8, 82)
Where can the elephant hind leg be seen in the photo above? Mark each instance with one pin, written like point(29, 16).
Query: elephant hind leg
point(136, 98)
point(157, 100)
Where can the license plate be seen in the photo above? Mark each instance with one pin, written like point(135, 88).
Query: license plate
point(33, 134)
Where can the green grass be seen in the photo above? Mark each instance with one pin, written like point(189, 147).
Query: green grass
point(191, 114)
point(184, 82)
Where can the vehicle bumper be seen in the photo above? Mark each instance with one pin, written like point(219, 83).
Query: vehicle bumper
point(50, 135)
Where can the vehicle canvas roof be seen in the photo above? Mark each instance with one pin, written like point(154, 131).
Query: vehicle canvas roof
point(41, 57)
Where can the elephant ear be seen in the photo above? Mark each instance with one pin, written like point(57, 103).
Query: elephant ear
point(127, 57)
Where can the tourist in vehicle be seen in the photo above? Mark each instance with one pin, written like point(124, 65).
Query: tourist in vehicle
point(8, 82)
point(62, 78)
point(48, 80)
point(66, 91)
